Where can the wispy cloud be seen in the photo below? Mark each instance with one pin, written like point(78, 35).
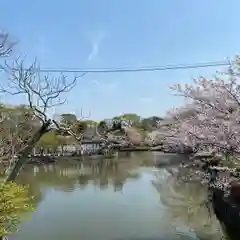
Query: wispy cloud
point(96, 42)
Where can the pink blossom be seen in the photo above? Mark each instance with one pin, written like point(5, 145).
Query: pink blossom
point(212, 117)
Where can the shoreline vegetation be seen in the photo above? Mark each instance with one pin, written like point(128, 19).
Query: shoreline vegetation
point(207, 129)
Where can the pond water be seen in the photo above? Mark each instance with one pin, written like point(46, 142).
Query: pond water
point(125, 199)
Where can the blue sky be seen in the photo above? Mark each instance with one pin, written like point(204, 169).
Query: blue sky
point(108, 33)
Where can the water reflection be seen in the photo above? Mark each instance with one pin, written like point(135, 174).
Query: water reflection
point(69, 176)
point(112, 200)
point(186, 203)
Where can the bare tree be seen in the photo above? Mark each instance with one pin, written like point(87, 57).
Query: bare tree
point(16, 127)
point(6, 45)
point(42, 93)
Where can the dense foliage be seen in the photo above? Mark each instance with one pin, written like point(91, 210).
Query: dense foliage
point(14, 202)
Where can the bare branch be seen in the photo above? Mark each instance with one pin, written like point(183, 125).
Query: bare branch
point(6, 45)
point(42, 92)
point(68, 130)
point(16, 128)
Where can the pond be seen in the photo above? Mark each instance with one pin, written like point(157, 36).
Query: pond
point(123, 199)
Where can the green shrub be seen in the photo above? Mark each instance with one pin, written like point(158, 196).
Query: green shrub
point(14, 201)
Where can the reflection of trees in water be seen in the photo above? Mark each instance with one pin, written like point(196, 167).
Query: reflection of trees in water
point(83, 181)
point(27, 180)
point(118, 186)
point(185, 204)
point(67, 176)
point(33, 187)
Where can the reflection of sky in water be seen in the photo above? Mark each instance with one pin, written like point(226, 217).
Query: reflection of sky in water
point(99, 214)
point(84, 211)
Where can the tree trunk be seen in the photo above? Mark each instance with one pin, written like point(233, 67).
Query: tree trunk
point(23, 153)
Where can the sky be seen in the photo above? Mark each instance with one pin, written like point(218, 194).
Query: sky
point(117, 34)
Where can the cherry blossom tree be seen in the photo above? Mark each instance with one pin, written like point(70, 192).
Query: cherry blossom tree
point(212, 120)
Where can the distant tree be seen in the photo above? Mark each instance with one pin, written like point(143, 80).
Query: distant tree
point(90, 123)
point(68, 118)
point(151, 122)
point(49, 142)
point(102, 127)
point(131, 117)
point(144, 125)
point(76, 127)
